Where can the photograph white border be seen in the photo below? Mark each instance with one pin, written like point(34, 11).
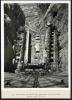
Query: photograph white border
point(2, 47)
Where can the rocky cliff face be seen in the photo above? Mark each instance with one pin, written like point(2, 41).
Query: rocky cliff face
point(37, 17)
point(33, 16)
point(12, 23)
point(57, 15)
point(60, 21)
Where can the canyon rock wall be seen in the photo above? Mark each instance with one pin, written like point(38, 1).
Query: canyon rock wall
point(37, 15)
point(12, 21)
point(57, 15)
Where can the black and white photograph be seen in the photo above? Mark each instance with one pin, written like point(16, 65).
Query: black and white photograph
point(36, 45)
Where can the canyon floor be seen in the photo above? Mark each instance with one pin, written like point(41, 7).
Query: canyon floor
point(28, 80)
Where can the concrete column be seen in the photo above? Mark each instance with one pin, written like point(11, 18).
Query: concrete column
point(27, 48)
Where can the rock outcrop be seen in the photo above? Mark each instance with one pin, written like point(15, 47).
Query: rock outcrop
point(13, 19)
